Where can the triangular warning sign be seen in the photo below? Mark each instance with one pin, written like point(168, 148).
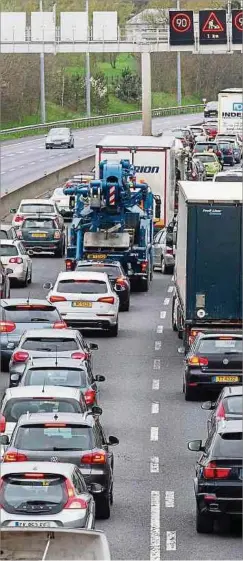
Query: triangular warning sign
point(212, 24)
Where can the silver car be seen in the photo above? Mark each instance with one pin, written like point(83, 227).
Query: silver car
point(45, 495)
point(163, 251)
point(14, 255)
point(60, 138)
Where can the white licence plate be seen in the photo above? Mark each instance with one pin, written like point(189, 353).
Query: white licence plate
point(33, 524)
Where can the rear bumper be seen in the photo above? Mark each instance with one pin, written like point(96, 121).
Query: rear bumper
point(228, 159)
point(62, 145)
point(199, 381)
point(90, 324)
point(43, 245)
point(220, 506)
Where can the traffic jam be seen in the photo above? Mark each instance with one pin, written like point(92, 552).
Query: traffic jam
point(110, 235)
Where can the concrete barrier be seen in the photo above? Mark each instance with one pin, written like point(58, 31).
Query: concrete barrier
point(41, 186)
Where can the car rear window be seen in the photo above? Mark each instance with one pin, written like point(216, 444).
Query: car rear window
point(27, 313)
point(16, 407)
point(3, 235)
point(56, 377)
point(200, 147)
point(220, 346)
point(8, 250)
point(228, 445)
point(47, 344)
point(232, 178)
point(35, 223)
point(72, 286)
point(207, 158)
point(41, 437)
point(234, 404)
point(110, 270)
point(35, 208)
point(20, 492)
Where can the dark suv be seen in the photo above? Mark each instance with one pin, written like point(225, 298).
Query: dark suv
point(117, 276)
point(219, 474)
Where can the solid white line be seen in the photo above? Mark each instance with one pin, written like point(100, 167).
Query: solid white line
point(155, 526)
point(157, 345)
point(166, 301)
point(169, 499)
point(154, 434)
point(13, 169)
point(156, 364)
point(160, 329)
point(3, 172)
point(162, 315)
point(170, 289)
point(155, 385)
point(154, 464)
point(154, 408)
point(170, 541)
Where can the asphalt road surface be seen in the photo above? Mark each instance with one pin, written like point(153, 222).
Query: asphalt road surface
point(25, 160)
point(153, 516)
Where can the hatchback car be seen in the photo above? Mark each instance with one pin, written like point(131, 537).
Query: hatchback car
point(60, 138)
point(213, 361)
point(42, 233)
point(229, 406)
point(218, 481)
point(45, 495)
point(210, 162)
point(227, 153)
point(4, 281)
point(14, 256)
point(7, 232)
point(205, 146)
point(197, 130)
point(67, 438)
point(211, 128)
point(63, 202)
point(40, 343)
point(117, 277)
point(211, 109)
point(28, 207)
point(86, 300)
point(163, 251)
point(19, 314)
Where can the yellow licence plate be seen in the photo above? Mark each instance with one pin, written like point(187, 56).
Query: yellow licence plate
point(96, 256)
point(227, 379)
point(39, 235)
point(80, 304)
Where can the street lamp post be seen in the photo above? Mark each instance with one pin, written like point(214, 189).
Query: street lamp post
point(178, 67)
point(88, 103)
point(42, 80)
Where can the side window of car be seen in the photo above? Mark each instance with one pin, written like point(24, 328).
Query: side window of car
point(157, 237)
point(22, 249)
point(98, 436)
point(81, 482)
point(76, 482)
point(82, 402)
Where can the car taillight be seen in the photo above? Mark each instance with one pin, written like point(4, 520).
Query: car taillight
point(59, 325)
point(94, 458)
point(69, 265)
point(14, 457)
point(144, 266)
point(16, 260)
point(89, 397)
point(220, 412)
point(57, 235)
point(121, 281)
point(198, 361)
point(80, 356)
point(20, 356)
point(7, 326)
point(107, 299)
point(19, 218)
point(72, 501)
point(211, 471)
point(169, 250)
point(57, 299)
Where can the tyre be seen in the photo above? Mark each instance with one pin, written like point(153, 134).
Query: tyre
point(165, 269)
point(59, 252)
point(173, 321)
point(204, 523)
point(231, 164)
point(30, 277)
point(103, 510)
point(25, 281)
point(144, 284)
point(190, 393)
point(125, 307)
point(113, 330)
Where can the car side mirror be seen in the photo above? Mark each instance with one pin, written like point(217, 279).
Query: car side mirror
point(96, 410)
point(112, 441)
point(99, 378)
point(9, 271)
point(208, 405)
point(93, 346)
point(14, 379)
point(95, 488)
point(13, 210)
point(4, 439)
point(47, 285)
point(195, 446)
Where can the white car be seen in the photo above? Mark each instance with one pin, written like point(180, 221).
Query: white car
point(85, 299)
point(15, 256)
point(229, 175)
point(62, 201)
point(36, 206)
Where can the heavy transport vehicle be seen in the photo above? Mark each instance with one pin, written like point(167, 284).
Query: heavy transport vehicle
point(113, 218)
point(208, 259)
point(230, 107)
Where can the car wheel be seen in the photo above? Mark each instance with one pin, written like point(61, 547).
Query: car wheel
point(58, 252)
point(103, 510)
point(165, 269)
point(125, 307)
point(144, 284)
point(231, 164)
point(190, 393)
point(111, 495)
point(113, 330)
point(25, 281)
point(30, 277)
point(204, 523)
point(173, 319)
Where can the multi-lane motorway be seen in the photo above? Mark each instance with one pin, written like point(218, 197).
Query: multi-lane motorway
point(25, 160)
point(153, 516)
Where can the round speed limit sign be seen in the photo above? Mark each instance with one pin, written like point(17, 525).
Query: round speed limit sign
point(239, 21)
point(181, 22)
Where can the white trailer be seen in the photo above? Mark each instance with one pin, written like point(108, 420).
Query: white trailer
point(154, 161)
point(230, 111)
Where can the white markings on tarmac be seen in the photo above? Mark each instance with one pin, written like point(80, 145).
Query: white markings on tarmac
point(155, 408)
point(155, 385)
point(156, 364)
point(154, 434)
point(157, 345)
point(166, 301)
point(155, 526)
point(160, 329)
point(170, 541)
point(154, 464)
point(169, 499)
point(162, 315)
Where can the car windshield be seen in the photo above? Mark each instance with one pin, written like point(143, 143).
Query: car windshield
point(220, 346)
point(14, 408)
point(202, 146)
point(206, 158)
point(47, 344)
point(31, 313)
point(234, 405)
point(8, 250)
point(72, 378)
point(33, 208)
point(47, 223)
point(45, 437)
point(83, 286)
point(110, 270)
point(20, 491)
point(232, 178)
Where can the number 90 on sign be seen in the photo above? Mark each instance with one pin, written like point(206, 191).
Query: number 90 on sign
point(181, 22)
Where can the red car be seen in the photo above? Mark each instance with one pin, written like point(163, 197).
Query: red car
point(211, 129)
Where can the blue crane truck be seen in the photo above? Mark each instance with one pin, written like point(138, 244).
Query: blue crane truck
point(113, 219)
point(208, 259)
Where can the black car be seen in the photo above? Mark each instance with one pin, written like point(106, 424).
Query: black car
point(227, 152)
point(214, 360)
point(42, 233)
point(229, 406)
point(67, 438)
point(117, 276)
point(211, 109)
point(219, 474)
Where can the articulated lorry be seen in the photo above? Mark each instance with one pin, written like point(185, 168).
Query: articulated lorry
point(230, 111)
point(208, 259)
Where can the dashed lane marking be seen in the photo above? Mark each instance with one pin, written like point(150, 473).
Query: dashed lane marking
point(156, 364)
point(170, 541)
point(155, 385)
point(170, 289)
point(154, 464)
point(155, 526)
point(13, 169)
point(166, 301)
point(160, 329)
point(169, 499)
point(162, 315)
point(154, 434)
point(157, 345)
point(155, 408)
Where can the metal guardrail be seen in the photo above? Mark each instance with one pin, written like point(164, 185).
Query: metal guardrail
point(84, 122)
